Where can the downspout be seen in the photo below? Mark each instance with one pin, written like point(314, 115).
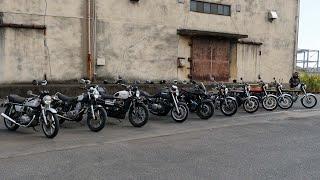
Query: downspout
point(295, 51)
point(89, 57)
point(94, 50)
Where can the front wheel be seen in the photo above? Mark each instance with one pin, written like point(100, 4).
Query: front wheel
point(285, 102)
point(229, 107)
point(50, 129)
point(251, 105)
point(138, 115)
point(205, 110)
point(269, 103)
point(309, 101)
point(183, 113)
point(97, 123)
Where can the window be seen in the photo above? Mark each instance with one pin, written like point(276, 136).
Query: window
point(210, 8)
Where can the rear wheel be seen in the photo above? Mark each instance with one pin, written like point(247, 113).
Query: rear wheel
point(50, 129)
point(205, 110)
point(10, 125)
point(138, 115)
point(97, 123)
point(183, 113)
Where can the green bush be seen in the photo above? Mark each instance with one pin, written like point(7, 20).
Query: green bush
point(312, 81)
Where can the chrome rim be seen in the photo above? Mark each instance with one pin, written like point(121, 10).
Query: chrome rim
point(138, 114)
point(251, 105)
point(183, 113)
point(51, 126)
point(97, 121)
point(270, 102)
point(309, 101)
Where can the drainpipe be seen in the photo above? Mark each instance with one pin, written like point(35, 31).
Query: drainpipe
point(94, 36)
point(295, 51)
point(89, 57)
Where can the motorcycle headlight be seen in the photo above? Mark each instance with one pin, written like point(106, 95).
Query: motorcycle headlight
point(138, 93)
point(96, 96)
point(47, 100)
point(226, 91)
point(266, 86)
point(177, 92)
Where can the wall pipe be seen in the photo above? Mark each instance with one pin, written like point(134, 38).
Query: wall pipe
point(89, 57)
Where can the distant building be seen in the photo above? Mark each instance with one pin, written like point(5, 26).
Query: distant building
point(143, 39)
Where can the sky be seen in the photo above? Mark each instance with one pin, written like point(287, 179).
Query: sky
point(309, 30)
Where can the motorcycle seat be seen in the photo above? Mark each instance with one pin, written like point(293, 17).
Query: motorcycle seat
point(147, 95)
point(16, 99)
point(65, 98)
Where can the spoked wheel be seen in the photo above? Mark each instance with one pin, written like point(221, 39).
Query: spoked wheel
point(138, 115)
point(251, 105)
point(205, 110)
point(285, 102)
point(10, 125)
point(229, 107)
point(183, 113)
point(50, 129)
point(269, 103)
point(97, 123)
point(309, 101)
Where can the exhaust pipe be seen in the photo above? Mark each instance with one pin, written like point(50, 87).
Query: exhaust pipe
point(9, 118)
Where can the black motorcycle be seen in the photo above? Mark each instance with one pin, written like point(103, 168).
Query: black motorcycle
point(165, 101)
point(31, 112)
point(121, 102)
point(227, 104)
point(285, 100)
point(74, 108)
point(198, 100)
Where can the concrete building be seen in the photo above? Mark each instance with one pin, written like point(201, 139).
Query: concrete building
point(143, 39)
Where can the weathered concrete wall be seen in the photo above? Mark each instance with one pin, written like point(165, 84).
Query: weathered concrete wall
point(139, 40)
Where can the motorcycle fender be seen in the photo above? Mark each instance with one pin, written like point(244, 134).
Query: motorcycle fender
point(270, 95)
point(98, 106)
point(53, 111)
point(284, 95)
point(308, 94)
point(232, 98)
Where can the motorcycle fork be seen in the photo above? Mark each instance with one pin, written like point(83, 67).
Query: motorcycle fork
point(44, 115)
point(92, 111)
point(175, 103)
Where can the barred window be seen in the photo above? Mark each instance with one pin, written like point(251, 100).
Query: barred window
point(210, 8)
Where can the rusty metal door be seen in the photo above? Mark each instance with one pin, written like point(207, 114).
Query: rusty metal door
point(210, 58)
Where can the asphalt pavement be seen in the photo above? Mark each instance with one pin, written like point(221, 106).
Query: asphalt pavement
point(264, 145)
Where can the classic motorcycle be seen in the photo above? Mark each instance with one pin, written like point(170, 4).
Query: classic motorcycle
point(74, 108)
point(198, 100)
point(268, 100)
point(250, 103)
point(285, 100)
point(308, 100)
point(167, 101)
point(121, 102)
point(31, 112)
point(223, 101)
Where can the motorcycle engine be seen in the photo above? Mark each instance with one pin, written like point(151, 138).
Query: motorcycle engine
point(26, 118)
point(156, 107)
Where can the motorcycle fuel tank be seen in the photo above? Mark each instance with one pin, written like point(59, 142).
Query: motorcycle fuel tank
point(122, 95)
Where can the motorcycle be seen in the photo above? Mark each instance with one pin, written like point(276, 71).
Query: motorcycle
point(74, 108)
point(308, 100)
point(31, 112)
point(269, 101)
point(250, 103)
point(227, 104)
point(285, 100)
point(167, 101)
point(121, 102)
point(198, 100)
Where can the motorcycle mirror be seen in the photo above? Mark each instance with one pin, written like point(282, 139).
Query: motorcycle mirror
point(259, 77)
point(29, 93)
point(35, 82)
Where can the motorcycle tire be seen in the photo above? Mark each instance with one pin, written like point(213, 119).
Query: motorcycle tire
point(247, 105)
point(141, 112)
point(103, 118)
point(9, 125)
point(53, 123)
point(288, 102)
point(311, 96)
point(267, 100)
point(232, 109)
point(209, 110)
point(184, 113)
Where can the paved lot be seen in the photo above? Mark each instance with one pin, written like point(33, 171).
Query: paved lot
point(277, 145)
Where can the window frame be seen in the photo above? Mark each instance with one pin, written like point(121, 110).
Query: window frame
point(200, 8)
